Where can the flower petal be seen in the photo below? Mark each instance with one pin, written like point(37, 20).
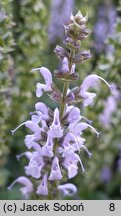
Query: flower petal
point(28, 186)
point(55, 129)
point(48, 80)
point(31, 141)
point(68, 189)
point(27, 154)
point(89, 81)
point(55, 170)
point(65, 66)
point(47, 75)
point(42, 188)
point(41, 107)
point(35, 165)
point(74, 114)
point(47, 149)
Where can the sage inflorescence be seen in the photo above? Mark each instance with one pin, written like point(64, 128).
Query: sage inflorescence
point(55, 144)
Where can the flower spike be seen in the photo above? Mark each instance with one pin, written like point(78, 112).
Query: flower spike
point(56, 138)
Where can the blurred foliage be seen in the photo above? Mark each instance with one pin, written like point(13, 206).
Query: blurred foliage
point(6, 63)
point(23, 46)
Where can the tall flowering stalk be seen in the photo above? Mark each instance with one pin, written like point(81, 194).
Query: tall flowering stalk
point(55, 144)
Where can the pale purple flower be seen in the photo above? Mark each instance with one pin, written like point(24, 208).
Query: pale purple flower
point(109, 109)
point(31, 124)
point(73, 114)
point(65, 65)
point(56, 130)
point(27, 154)
point(48, 80)
point(75, 136)
point(89, 82)
point(67, 189)
point(88, 98)
point(42, 110)
point(31, 141)
point(106, 174)
point(28, 186)
point(68, 138)
point(43, 188)
point(70, 163)
point(77, 143)
point(72, 141)
point(35, 165)
point(80, 144)
point(77, 128)
point(47, 149)
point(55, 173)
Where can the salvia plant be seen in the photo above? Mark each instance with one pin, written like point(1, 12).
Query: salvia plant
point(55, 144)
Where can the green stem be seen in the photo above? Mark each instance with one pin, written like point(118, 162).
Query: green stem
point(62, 105)
point(65, 88)
point(54, 193)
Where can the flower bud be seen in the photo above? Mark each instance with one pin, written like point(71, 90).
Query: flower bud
point(82, 56)
point(77, 27)
point(65, 65)
point(60, 52)
point(79, 18)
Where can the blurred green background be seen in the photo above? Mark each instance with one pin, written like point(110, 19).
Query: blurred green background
point(29, 31)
